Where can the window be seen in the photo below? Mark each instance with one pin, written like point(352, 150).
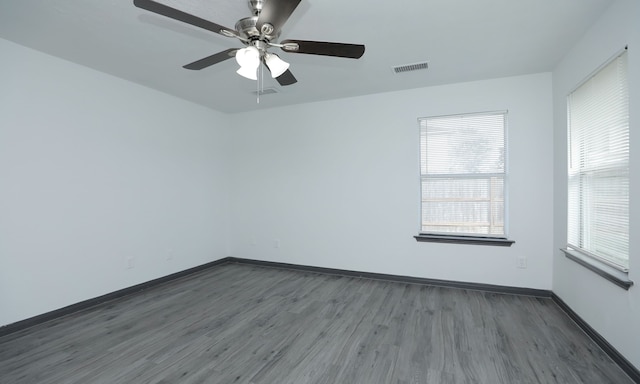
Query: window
point(463, 174)
point(598, 180)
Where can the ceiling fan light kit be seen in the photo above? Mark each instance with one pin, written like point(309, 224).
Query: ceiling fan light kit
point(258, 33)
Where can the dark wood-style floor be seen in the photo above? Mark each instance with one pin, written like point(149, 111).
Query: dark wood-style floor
point(239, 323)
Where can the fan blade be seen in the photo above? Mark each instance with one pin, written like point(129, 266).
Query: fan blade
point(211, 60)
point(286, 78)
point(350, 51)
point(175, 14)
point(276, 13)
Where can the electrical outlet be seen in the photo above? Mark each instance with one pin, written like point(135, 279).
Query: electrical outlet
point(521, 262)
point(129, 262)
point(169, 255)
point(276, 243)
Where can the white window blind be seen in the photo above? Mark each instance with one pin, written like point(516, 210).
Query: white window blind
point(598, 187)
point(462, 166)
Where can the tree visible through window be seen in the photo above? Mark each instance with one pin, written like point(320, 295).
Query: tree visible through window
point(463, 169)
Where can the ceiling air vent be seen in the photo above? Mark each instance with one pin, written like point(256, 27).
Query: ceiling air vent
point(266, 91)
point(411, 67)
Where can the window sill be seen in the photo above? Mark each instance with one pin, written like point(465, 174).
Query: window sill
point(619, 278)
point(476, 240)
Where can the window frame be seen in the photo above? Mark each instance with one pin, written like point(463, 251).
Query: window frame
point(615, 273)
point(460, 237)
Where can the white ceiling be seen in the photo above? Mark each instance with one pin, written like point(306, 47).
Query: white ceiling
point(463, 40)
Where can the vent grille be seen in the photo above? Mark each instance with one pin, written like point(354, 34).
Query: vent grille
point(266, 91)
point(411, 67)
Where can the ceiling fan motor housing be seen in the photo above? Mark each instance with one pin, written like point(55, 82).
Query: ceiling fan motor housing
point(246, 28)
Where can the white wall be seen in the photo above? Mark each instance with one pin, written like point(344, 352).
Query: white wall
point(337, 183)
point(612, 311)
point(93, 170)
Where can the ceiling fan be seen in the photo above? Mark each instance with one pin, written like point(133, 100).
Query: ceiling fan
point(258, 33)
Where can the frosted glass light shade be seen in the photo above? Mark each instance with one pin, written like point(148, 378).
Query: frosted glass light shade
point(250, 73)
point(249, 60)
point(276, 65)
point(248, 57)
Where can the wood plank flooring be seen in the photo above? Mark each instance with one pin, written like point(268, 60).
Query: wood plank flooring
point(239, 323)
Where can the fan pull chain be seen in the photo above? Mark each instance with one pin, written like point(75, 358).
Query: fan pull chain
point(260, 83)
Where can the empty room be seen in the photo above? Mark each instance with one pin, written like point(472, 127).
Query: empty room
point(305, 191)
